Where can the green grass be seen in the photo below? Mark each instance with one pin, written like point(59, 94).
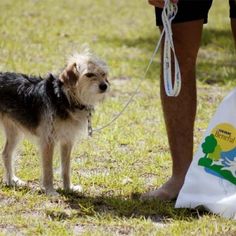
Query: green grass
point(131, 156)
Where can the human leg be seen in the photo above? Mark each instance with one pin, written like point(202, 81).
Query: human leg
point(233, 27)
point(232, 14)
point(179, 112)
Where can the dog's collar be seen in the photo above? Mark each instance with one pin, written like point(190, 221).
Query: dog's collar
point(83, 107)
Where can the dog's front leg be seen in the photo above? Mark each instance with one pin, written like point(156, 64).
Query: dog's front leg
point(65, 164)
point(47, 167)
point(66, 169)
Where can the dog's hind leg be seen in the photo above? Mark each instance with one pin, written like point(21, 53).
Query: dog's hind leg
point(66, 169)
point(13, 136)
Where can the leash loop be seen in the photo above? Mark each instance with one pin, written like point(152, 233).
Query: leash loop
point(168, 14)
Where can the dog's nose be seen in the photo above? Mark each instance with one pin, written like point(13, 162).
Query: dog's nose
point(103, 86)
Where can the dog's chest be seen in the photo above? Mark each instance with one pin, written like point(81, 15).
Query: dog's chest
point(75, 125)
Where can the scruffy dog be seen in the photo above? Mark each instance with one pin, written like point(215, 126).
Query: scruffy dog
point(55, 109)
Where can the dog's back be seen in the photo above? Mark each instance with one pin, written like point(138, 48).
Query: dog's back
point(25, 99)
point(19, 98)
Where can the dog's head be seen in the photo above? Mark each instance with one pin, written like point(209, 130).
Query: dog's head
point(85, 78)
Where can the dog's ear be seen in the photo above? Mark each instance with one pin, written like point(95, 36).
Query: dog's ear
point(70, 75)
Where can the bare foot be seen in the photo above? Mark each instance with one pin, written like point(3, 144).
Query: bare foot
point(168, 191)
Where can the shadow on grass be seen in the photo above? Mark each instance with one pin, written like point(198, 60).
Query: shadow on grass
point(219, 37)
point(209, 71)
point(112, 206)
point(209, 36)
point(146, 41)
point(220, 73)
point(120, 206)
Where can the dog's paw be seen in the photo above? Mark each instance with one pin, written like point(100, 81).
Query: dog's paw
point(76, 188)
point(18, 182)
point(51, 192)
point(15, 182)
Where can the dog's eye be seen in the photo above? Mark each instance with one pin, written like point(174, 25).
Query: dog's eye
point(90, 75)
point(103, 74)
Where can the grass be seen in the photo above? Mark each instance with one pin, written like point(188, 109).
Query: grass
point(131, 156)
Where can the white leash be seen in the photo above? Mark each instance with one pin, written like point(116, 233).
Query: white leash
point(137, 88)
point(169, 11)
point(168, 14)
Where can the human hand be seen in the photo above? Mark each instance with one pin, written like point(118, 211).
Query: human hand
point(160, 3)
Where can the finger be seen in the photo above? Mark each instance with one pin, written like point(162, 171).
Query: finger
point(157, 3)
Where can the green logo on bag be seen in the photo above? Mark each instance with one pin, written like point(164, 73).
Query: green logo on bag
point(220, 152)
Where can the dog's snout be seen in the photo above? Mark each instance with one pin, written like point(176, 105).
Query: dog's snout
point(103, 86)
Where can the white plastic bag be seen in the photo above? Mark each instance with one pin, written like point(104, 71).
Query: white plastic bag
point(211, 178)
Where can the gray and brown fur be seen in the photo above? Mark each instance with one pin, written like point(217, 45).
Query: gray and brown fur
point(53, 109)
